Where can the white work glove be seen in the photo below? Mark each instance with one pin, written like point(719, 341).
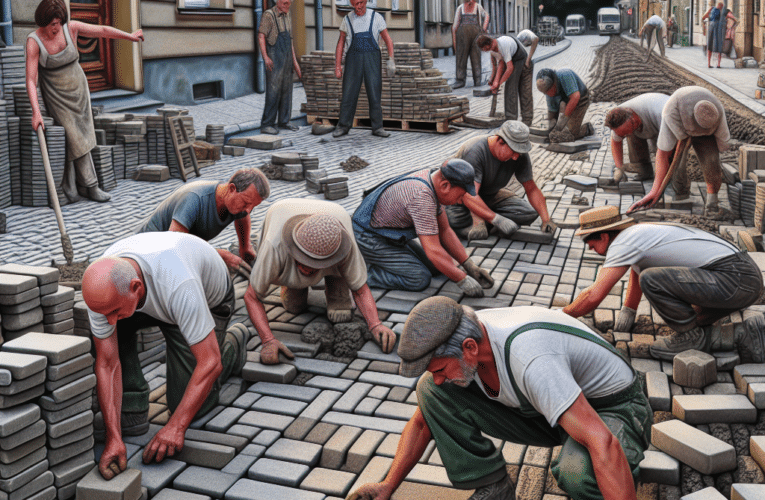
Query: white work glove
point(618, 175)
point(504, 225)
point(481, 275)
point(470, 287)
point(625, 319)
point(549, 227)
point(391, 68)
point(562, 122)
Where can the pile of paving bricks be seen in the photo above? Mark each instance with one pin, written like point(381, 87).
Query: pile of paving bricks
point(417, 92)
point(746, 186)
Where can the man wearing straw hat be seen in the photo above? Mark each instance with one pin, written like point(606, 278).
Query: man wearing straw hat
point(527, 375)
point(690, 290)
point(691, 116)
point(497, 159)
point(301, 242)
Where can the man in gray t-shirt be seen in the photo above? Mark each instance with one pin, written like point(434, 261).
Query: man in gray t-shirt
point(205, 208)
point(690, 290)
point(496, 159)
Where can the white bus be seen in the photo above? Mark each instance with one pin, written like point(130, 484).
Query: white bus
point(609, 21)
point(575, 24)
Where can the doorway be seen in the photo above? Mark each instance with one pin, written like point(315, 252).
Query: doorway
point(96, 54)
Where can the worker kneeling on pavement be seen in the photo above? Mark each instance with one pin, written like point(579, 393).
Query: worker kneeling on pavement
point(564, 88)
point(527, 375)
point(691, 116)
point(638, 121)
point(409, 206)
point(178, 283)
point(690, 277)
point(301, 242)
point(496, 159)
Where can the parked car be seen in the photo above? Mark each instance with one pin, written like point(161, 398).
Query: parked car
point(609, 21)
point(576, 24)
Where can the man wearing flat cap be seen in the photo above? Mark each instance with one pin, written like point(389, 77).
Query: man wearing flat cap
point(527, 375)
point(567, 95)
point(301, 242)
point(409, 206)
point(496, 159)
point(690, 290)
point(691, 116)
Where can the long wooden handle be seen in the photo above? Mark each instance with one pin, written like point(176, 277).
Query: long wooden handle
point(51, 184)
point(680, 152)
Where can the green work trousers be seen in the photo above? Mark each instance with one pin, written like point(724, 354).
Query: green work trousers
point(180, 360)
point(457, 416)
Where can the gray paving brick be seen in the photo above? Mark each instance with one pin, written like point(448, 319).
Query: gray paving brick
point(246, 431)
point(646, 365)
point(392, 409)
point(5, 377)
point(225, 419)
point(322, 382)
point(741, 372)
point(693, 447)
point(352, 397)
point(254, 450)
point(61, 295)
point(210, 455)
point(278, 472)
point(236, 442)
point(743, 491)
point(74, 389)
point(73, 469)
point(266, 420)
point(367, 406)
point(32, 431)
point(47, 403)
point(8, 471)
point(756, 394)
point(296, 392)
point(239, 465)
point(53, 417)
point(204, 481)
point(335, 450)
point(294, 451)
point(15, 454)
point(388, 380)
point(173, 494)
point(374, 423)
point(59, 455)
point(12, 284)
point(247, 489)
point(32, 488)
point(379, 392)
point(22, 365)
point(44, 275)
point(659, 397)
point(57, 348)
point(52, 385)
point(328, 481)
point(19, 298)
point(70, 424)
point(319, 367)
point(253, 371)
point(372, 351)
point(429, 474)
point(156, 476)
point(19, 480)
point(374, 472)
point(362, 450)
point(245, 400)
point(706, 409)
point(709, 493)
point(48, 493)
point(279, 405)
point(71, 437)
point(13, 420)
point(21, 308)
point(124, 486)
point(694, 369)
point(312, 414)
point(658, 467)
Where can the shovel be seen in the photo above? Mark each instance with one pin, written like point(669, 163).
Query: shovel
point(66, 244)
point(494, 101)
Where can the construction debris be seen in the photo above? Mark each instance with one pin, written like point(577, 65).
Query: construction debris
point(353, 164)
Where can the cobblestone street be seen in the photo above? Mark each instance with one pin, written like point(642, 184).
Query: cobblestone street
point(316, 429)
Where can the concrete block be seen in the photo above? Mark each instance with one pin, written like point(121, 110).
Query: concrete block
point(204, 481)
point(335, 450)
point(693, 447)
point(658, 391)
point(60, 329)
point(278, 472)
point(294, 451)
point(362, 450)
point(388, 380)
point(156, 476)
point(430, 474)
point(394, 410)
point(707, 409)
point(312, 414)
point(279, 405)
point(757, 449)
point(23, 320)
point(48, 289)
point(57, 348)
point(52, 417)
point(254, 450)
point(409, 490)
point(236, 442)
point(214, 456)
point(173, 494)
point(8, 471)
point(645, 365)
point(52, 385)
point(12, 284)
point(20, 308)
point(62, 295)
point(658, 467)
point(239, 465)
point(329, 482)
point(266, 420)
point(224, 420)
point(5, 377)
point(529, 235)
point(367, 406)
point(756, 394)
point(694, 369)
point(352, 397)
point(74, 389)
point(245, 400)
point(34, 487)
point(247, 489)
point(233, 150)
point(253, 371)
point(67, 307)
point(58, 317)
point(335, 384)
point(266, 438)
point(389, 445)
point(296, 392)
point(246, 431)
point(742, 491)
point(321, 433)
point(19, 480)
point(124, 486)
point(374, 472)
point(379, 392)
point(32, 431)
point(319, 367)
point(374, 423)
point(740, 374)
point(49, 493)
point(22, 365)
point(73, 469)
point(19, 298)
point(22, 397)
point(18, 386)
point(69, 438)
point(69, 367)
point(59, 455)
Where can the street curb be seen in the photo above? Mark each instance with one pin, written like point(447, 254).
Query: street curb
point(553, 53)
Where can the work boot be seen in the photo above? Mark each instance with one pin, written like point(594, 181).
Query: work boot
point(666, 348)
point(132, 424)
point(290, 127)
point(95, 194)
point(381, 132)
point(269, 131)
point(339, 131)
point(750, 337)
point(458, 85)
point(504, 489)
point(240, 335)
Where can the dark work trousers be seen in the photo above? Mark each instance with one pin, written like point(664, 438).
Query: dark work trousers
point(640, 157)
point(505, 203)
point(279, 82)
point(708, 154)
point(180, 360)
point(519, 85)
point(363, 64)
point(647, 32)
point(467, 32)
point(392, 266)
point(718, 289)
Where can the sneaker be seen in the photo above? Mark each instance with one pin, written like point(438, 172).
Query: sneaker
point(339, 131)
point(504, 489)
point(381, 132)
point(666, 348)
point(269, 131)
point(290, 127)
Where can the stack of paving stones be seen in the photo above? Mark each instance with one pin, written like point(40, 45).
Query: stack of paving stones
point(13, 65)
point(24, 467)
point(151, 346)
point(215, 135)
point(416, 93)
point(65, 405)
point(172, 161)
point(81, 318)
point(155, 136)
point(104, 166)
point(19, 304)
point(34, 187)
point(14, 144)
point(6, 199)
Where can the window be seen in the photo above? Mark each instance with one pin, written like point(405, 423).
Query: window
point(206, 7)
point(208, 90)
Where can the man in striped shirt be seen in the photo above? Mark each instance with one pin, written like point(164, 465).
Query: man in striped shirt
point(408, 207)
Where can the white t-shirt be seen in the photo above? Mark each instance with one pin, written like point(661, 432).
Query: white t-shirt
point(656, 20)
point(648, 107)
point(184, 278)
point(550, 367)
point(361, 24)
point(527, 37)
point(677, 120)
point(648, 245)
point(507, 49)
point(276, 266)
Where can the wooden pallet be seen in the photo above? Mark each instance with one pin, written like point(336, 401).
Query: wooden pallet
point(184, 147)
point(439, 127)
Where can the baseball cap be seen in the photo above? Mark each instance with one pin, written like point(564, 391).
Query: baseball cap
point(460, 173)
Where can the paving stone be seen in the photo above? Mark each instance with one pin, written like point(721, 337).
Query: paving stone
point(429, 474)
point(742, 372)
point(335, 449)
point(44, 275)
point(645, 365)
point(245, 400)
point(756, 394)
point(379, 392)
point(224, 420)
point(278, 472)
point(12, 284)
point(296, 392)
point(22, 365)
point(246, 431)
point(531, 482)
point(19, 298)
point(294, 451)
point(14, 483)
point(266, 438)
point(409, 490)
point(239, 465)
point(312, 414)
point(659, 397)
point(399, 394)
point(59, 455)
point(352, 397)
point(537, 456)
point(322, 382)
point(266, 420)
point(5, 377)
point(362, 450)
point(321, 433)
point(757, 449)
point(694, 368)
point(61, 295)
point(53, 417)
point(32, 488)
point(693, 447)
point(279, 405)
point(73, 389)
point(214, 456)
point(71, 437)
point(328, 481)
point(254, 450)
point(236, 442)
point(15, 454)
point(247, 489)
point(374, 472)
point(372, 351)
point(319, 367)
point(367, 406)
point(721, 388)
point(57, 348)
point(8, 471)
point(514, 453)
point(21, 308)
point(70, 424)
point(392, 409)
point(706, 494)
point(374, 423)
point(73, 469)
point(388, 380)
point(204, 481)
point(173, 494)
point(156, 476)
point(32, 431)
point(253, 371)
point(742, 491)
point(13, 420)
point(47, 403)
point(124, 486)
point(705, 409)
point(658, 467)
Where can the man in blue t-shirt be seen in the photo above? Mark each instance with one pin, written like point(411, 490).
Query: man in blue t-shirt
point(205, 208)
point(563, 86)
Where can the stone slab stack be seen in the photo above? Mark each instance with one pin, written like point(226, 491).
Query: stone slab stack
point(65, 404)
point(14, 142)
point(215, 135)
point(24, 469)
point(151, 346)
point(104, 165)
point(155, 136)
point(6, 199)
point(19, 305)
point(13, 64)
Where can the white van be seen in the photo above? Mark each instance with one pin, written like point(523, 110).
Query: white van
point(575, 24)
point(609, 21)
